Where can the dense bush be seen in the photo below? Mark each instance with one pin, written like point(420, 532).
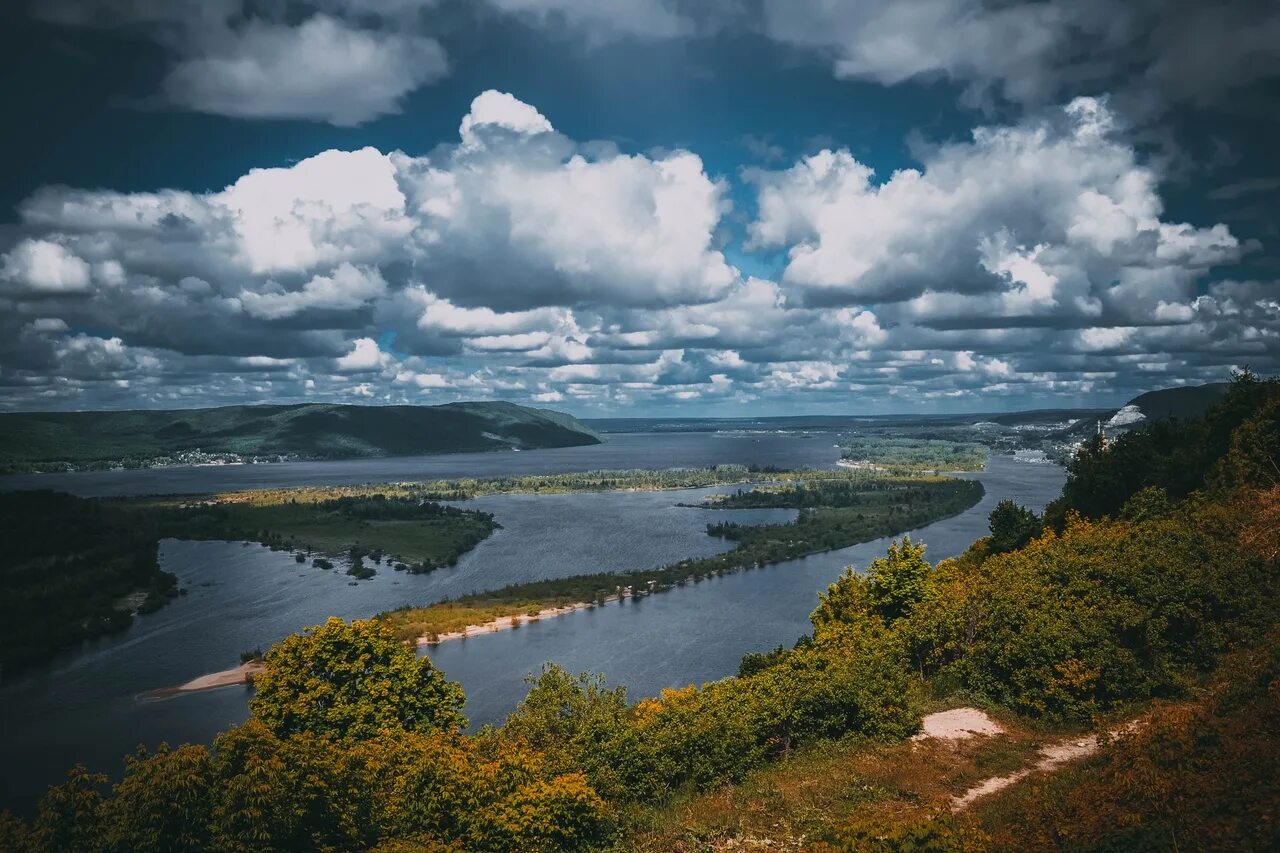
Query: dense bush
point(852, 681)
point(352, 681)
point(1193, 776)
point(1103, 614)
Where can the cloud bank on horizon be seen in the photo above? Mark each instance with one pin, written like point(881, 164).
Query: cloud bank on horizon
point(1028, 261)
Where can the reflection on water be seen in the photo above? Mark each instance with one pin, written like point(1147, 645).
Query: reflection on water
point(83, 709)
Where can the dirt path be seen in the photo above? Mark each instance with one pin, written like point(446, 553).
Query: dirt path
point(1051, 758)
point(962, 723)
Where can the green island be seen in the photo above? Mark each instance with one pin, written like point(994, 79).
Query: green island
point(836, 510)
point(409, 533)
point(1124, 647)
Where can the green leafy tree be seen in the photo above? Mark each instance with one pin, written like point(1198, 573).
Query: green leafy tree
point(567, 717)
point(1012, 526)
point(162, 803)
point(899, 580)
point(845, 601)
point(70, 814)
point(352, 681)
point(253, 804)
point(15, 836)
point(1253, 460)
point(1149, 504)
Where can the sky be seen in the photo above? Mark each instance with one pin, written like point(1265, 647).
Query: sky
point(646, 208)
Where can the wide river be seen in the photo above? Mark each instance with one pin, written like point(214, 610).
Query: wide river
point(84, 707)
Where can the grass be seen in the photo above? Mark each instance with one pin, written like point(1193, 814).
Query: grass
point(453, 616)
point(825, 785)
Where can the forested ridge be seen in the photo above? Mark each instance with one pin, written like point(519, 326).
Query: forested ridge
point(1148, 589)
point(54, 441)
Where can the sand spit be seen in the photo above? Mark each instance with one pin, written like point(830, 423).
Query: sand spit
point(242, 674)
point(504, 623)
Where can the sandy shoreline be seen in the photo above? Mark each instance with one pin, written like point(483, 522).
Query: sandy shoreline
point(504, 623)
point(242, 674)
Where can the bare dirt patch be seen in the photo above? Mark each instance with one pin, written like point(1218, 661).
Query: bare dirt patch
point(958, 724)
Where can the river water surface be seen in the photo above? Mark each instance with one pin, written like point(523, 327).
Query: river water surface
point(84, 707)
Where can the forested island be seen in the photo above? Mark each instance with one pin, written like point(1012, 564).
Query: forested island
point(848, 509)
point(62, 441)
point(1142, 606)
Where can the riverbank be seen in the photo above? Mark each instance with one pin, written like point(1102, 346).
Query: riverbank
point(242, 597)
point(246, 672)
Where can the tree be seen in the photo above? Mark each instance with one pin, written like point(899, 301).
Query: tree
point(15, 836)
point(566, 712)
point(1012, 526)
point(845, 601)
point(163, 803)
point(70, 815)
point(1253, 460)
point(341, 680)
point(898, 580)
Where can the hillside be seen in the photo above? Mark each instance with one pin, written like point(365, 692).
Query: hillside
point(32, 441)
point(1191, 401)
point(1186, 402)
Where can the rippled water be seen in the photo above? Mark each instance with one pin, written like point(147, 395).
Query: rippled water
point(83, 708)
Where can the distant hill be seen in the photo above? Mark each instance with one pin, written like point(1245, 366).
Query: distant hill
point(1189, 401)
point(1186, 402)
point(32, 441)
